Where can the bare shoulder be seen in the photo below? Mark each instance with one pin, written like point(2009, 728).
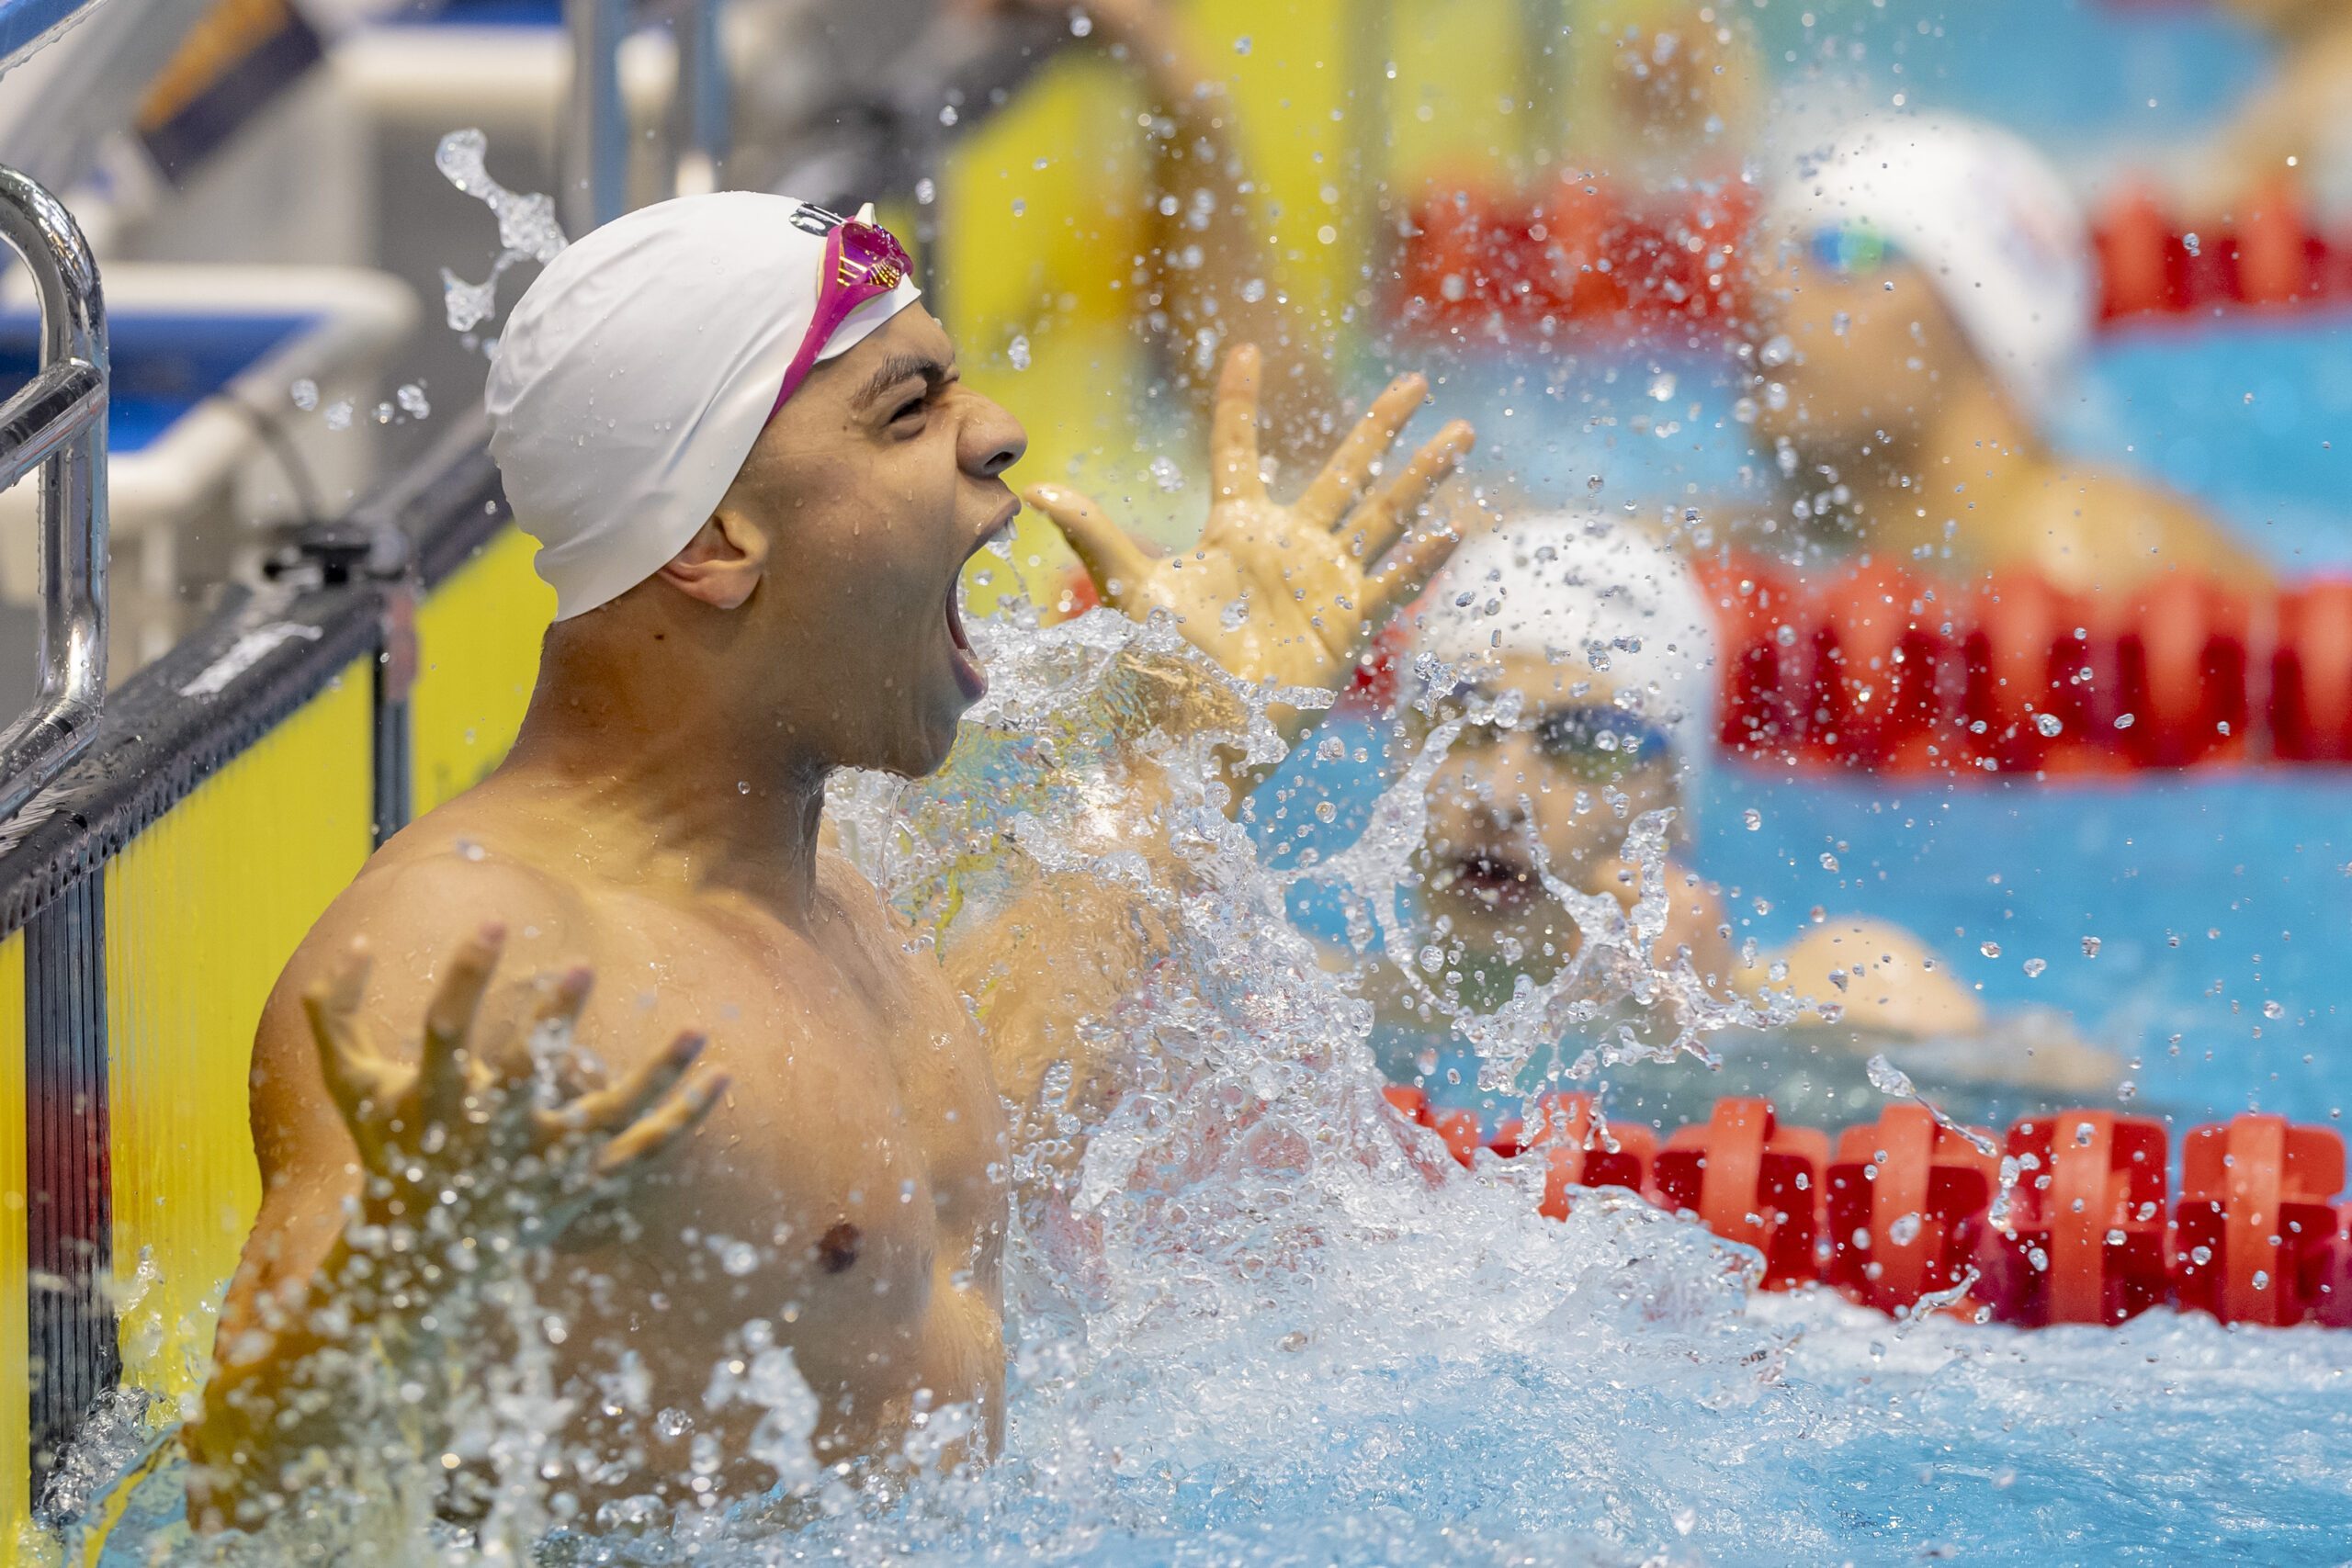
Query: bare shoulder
point(2121, 527)
point(434, 884)
point(1882, 976)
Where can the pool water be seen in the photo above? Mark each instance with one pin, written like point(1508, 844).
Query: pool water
point(1265, 1322)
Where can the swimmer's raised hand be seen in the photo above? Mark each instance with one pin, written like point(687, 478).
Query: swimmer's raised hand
point(1286, 592)
point(476, 1140)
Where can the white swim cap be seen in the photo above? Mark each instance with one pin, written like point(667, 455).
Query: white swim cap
point(637, 371)
point(1988, 221)
point(1599, 597)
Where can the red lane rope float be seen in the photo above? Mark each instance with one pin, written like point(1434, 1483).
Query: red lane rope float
point(1906, 1205)
point(2268, 254)
point(1479, 259)
point(2256, 1220)
point(1877, 668)
point(1751, 1179)
point(1578, 1151)
point(1910, 1212)
point(1483, 259)
point(2086, 1236)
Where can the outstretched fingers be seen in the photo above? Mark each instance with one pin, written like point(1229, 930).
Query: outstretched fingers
point(1115, 561)
point(1373, 528)
point(1406, 569)
point(1351, 468)
point(1233, 428)
point(612, 1110)
point(660, 1129)
point(449, 1021)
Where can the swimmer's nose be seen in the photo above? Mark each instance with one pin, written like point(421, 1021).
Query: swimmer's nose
point(992, 440)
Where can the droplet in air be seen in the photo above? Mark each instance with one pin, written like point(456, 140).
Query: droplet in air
point(2048, 723)
point(1753, 818)
point(2034, 966)
point(1166, 474)
point(411, 399)
point(2090, 947)
point(1990, 948)
point(305, 394)
point(1017, 352)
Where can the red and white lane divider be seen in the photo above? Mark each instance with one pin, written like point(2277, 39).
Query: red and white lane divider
point(2070, 1221)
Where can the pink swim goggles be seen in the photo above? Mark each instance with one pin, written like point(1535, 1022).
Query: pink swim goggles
point(863, 260)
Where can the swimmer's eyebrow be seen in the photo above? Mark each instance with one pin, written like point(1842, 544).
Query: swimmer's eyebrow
point(897, 368)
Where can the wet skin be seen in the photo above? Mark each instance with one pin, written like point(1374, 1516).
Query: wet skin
point(835, 1163)
point(656, 823)
point(1499, 797)
point(1904, 434)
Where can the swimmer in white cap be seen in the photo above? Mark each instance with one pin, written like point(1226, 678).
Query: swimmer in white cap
point(1603, 636)
point(1927, 293)
point(755, 478)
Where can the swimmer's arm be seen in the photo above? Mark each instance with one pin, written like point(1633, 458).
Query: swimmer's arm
point(1881, 980)
point(309, 1308)
point(293, 1307)
point(1237, 292)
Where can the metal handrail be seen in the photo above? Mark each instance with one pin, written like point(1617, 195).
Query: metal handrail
point(58, 422)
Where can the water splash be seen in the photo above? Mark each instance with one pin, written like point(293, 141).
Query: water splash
point(1255, 1317)
point(527, 229)
point(1896, 1084)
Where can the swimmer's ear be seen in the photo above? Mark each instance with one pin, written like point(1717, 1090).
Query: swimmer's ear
point(722, 563)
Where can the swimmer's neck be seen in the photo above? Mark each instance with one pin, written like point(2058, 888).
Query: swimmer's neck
point(666, 781)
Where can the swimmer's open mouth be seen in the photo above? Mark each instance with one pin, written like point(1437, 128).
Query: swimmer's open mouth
point(1495, 879)
point(970, 674)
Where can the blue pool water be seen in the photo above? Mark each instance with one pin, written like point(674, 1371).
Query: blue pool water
point(2221, 902)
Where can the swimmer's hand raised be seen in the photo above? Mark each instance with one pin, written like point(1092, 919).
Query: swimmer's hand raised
point(1288, 594)
point(467, 1146)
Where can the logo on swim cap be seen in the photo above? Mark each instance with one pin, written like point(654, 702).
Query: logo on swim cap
point(811, 219)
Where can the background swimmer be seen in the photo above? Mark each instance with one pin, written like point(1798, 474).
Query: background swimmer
point(1602, 635)
point(1926, 287)
point(2290, 133)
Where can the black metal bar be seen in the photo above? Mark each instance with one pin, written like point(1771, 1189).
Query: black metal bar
point(69, 1217)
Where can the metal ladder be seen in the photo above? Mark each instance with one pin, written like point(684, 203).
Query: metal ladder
point(57, 422)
